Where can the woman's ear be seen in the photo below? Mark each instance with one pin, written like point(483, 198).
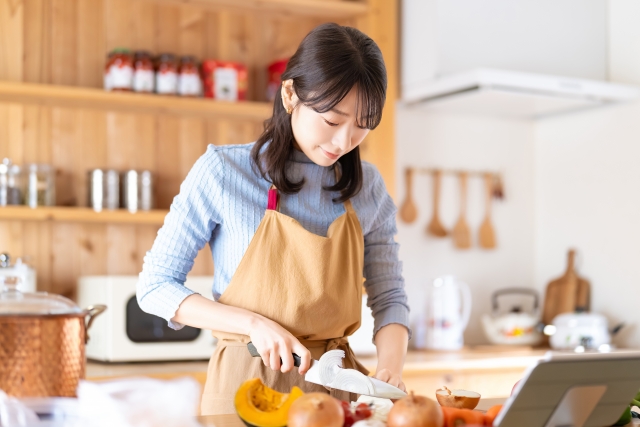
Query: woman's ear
point(289, 97)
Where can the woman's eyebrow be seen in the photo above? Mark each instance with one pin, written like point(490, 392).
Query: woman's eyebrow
point(342, 113)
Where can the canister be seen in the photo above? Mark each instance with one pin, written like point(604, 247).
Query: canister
point(104, 189)
point(137, 190)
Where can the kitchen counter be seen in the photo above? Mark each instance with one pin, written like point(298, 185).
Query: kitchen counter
point(473, 358)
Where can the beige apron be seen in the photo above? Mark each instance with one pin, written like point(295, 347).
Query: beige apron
point(309, 284)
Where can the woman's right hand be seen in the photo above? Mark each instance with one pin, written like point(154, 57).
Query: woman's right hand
point(274, 342)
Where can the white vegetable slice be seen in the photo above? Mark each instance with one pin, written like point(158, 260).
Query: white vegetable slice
point(353, 381)
point(329, 365)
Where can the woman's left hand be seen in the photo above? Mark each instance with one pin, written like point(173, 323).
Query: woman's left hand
point(395, 379)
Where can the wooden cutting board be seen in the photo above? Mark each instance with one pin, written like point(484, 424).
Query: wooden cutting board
point(567, 293)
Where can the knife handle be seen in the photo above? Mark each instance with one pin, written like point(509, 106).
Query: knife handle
point(254, 353)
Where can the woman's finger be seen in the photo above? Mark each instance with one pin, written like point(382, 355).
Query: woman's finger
point(274, 361)
point(287, 359)
point(266, 357)
point(305, 358)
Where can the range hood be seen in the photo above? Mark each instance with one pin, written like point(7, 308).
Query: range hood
point(515, 94)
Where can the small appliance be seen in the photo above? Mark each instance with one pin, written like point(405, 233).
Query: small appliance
point(516, 326)
point(125, 333)
point(19, 269)
point(580, 331)
point(447, 313)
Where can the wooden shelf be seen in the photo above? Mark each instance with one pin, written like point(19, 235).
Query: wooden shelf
point(322, 8)
point(78, 97)
point(73, 214)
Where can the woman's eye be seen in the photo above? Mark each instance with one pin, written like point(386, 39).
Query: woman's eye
point(330, 123)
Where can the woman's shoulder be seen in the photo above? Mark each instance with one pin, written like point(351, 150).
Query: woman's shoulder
point(228, 157)
point(372, 181)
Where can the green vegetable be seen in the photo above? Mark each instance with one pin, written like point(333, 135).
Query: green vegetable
point(625, 418)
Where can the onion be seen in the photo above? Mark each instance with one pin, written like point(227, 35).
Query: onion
point(460, 399)
point(331, 374)
point(315, 410)
point(415, 411)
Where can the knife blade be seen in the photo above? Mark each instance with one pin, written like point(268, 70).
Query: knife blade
point(380, 388)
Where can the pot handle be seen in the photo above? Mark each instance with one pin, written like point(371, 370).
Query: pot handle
point(509, 291)
point(91, 312)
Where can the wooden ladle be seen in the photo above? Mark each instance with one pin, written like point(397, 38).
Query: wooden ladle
point(435, 227)
point(461, 233)
point(487, 237)
point(408, 210)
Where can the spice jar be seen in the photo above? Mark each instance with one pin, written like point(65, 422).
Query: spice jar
point(143, 75)
point(118, 73)
point(189, 79)
point(167, 74)
point(10, 184)
point(274, 73)
point(224, 80)
point(40, 189)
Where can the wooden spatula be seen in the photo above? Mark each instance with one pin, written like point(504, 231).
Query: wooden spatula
point(408, 211)
point(487, 236)
point(435, 227)
point(461, 233)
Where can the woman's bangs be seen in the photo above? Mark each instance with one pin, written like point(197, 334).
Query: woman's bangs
point(369, 101)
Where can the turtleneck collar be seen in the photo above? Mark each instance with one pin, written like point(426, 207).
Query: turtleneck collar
point(299, 157)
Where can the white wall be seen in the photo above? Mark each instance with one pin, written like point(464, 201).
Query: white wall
point(588, 188)
point(571, 181)
point(475, 143)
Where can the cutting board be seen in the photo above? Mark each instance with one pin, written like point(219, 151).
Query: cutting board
point(567, 293)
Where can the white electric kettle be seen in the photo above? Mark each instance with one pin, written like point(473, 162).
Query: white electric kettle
point(447, 313)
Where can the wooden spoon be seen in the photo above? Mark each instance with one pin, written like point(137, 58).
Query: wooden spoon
point(461, 233)
point(435, 227)
point(408, 210)
point(487, 235)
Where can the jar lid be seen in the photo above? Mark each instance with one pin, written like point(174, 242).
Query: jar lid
point(14, 302)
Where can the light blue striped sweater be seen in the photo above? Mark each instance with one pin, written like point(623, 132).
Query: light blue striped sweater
point(221, 203)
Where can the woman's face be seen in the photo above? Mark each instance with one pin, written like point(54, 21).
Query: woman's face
point(324, 137)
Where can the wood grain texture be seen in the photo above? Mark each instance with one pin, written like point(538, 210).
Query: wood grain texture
point(65, 42)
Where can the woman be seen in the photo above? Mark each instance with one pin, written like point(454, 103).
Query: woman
point(289, 277)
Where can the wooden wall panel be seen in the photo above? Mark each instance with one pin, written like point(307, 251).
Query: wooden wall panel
point(11, 39)
point(66, 41)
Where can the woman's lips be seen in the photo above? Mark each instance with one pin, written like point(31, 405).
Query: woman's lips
point(330, 155)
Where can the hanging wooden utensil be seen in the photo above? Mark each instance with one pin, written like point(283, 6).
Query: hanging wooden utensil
point(435, 227)
point(408, 210)
point(487, 236)
point(461, 233)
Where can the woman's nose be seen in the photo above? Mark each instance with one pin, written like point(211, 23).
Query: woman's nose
point(342, 139)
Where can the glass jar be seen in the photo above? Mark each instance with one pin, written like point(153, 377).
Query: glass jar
point(40, 185)
point(10, 184)
point(167, 74)
point(143, 74)
point(118, 73)
point(189, 83)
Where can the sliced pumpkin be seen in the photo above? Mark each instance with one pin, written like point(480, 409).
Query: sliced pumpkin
point(260, 406)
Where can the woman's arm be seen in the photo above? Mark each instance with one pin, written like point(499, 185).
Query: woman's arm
point(391, 344)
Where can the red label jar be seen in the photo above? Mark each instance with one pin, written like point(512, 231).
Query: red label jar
point(167, 74)
point(143, 74)
point(118, 72)
point(224, 80)
point(189, 83)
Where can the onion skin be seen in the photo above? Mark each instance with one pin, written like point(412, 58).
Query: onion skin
point(458, 402)
point(316, 410)
point(415, 411)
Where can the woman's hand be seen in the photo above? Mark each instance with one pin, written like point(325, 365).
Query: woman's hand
point(274, 343)
point(395, 379)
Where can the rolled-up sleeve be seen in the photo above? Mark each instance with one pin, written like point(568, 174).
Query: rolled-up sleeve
point(194, 214)
point(382, 268)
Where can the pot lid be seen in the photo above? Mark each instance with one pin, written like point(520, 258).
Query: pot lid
point(14, 302)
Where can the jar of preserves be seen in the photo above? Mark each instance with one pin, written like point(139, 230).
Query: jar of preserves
point(118, 73)
point(274, 73)
point(167, 74)
point(189, 83)
point(143, 73)
point(225, 80)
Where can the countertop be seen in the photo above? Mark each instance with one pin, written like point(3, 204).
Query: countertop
point(467, 359)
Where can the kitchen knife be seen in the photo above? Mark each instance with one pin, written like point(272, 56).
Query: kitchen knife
point(380, 388)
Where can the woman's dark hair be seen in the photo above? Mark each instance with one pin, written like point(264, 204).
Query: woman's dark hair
point(330, 61)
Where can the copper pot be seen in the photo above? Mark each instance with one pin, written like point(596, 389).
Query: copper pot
point(42, 340)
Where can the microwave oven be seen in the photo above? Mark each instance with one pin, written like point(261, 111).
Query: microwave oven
point(125, 333)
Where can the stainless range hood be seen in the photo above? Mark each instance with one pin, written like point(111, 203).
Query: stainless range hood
point(515, 94)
